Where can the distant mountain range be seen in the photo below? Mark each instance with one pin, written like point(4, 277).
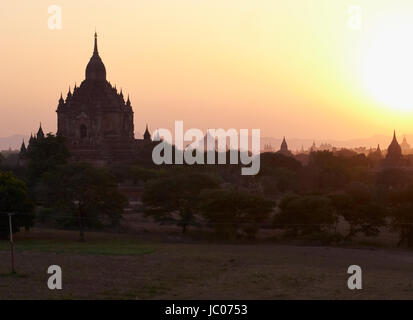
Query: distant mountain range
point(14, 142)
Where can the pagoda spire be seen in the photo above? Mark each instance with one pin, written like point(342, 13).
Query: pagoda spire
point(284, 146)
point(61, 100)
point(95, 69)
point(40, 133)
point(23, 148)
point(69, 95)
point(95, 49)
point(147, 135)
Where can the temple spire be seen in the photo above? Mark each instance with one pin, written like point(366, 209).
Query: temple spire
point(95, 50)
point(95, 69)
point(23, 148)
point(284, 145)
point(61, 101)
point(147, 135)
point(40, 133)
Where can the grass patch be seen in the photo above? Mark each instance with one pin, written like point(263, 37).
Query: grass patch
point(13, 275)
point(115, 247)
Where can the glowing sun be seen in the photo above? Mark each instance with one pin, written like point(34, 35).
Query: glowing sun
point(388, 66)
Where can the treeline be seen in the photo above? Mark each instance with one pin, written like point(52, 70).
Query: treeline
point(72, 195)
point(307, 202)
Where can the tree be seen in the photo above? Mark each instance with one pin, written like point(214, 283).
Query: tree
point(271, 161)
point(138, 173)
point(173, 199)
point(401, 201)
point(327, 171)
point(14, 198)
point(360, 210)
point(45, 154)
point(403, 223)
point(278, 180)
point(393, 177)
point(87, 193)
point(229, 211)
point(305, 215)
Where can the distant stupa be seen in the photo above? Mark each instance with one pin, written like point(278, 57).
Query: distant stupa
point(405, 146)
point(284, 148)
point(394, 155)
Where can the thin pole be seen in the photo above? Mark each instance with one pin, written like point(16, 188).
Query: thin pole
point(11, 244)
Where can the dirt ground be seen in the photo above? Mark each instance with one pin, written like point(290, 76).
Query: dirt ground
point(129, 268)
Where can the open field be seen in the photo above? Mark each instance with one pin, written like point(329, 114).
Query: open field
point(113, 266)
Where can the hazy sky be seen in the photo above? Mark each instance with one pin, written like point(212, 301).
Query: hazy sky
point(297, 68)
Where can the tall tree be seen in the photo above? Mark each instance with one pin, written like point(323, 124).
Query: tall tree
point(360, 209)
point(86, 192)
point(173, 199)
point(14, 198)
point(45, 154)
point(401, 201)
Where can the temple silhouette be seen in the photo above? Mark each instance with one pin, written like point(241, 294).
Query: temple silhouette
point(95, 119)
point(394, 157)
point(98, 127)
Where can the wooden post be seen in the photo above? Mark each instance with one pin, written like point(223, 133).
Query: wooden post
point(11, 244)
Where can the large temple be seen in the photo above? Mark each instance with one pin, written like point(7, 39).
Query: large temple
point(95, 119)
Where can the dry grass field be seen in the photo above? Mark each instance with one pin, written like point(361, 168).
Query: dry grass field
point(113, 266)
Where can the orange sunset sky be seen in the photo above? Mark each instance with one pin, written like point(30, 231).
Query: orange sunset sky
point(295, 68)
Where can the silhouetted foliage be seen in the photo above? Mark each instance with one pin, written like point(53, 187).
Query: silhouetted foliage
point(45, 154)
point(401, 201)
point(305, 215)
point(173, 199)
point(327, 171)
point(279, 181)
point(14, 198)
point(86, 193)
point(137, 173)
point(272, 160)
point(360, 210)
point(231, 211)
point(393, 177)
